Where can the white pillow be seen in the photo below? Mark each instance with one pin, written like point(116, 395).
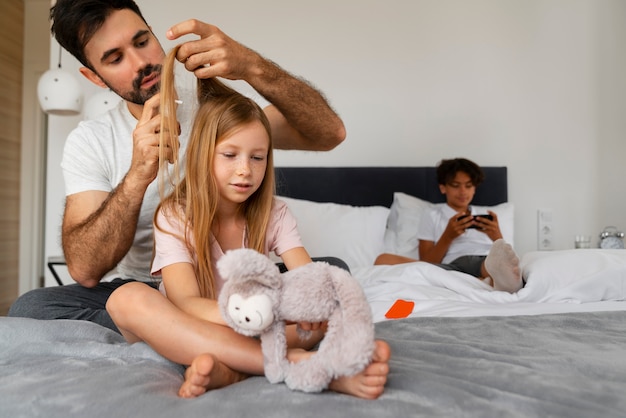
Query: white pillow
point(577, 276)
point(353, 233)
point(404, 219)
point(405, 215)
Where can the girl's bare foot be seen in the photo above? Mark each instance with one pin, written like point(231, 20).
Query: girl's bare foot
point(370, 383)
point(502, 264)
point(206, 372)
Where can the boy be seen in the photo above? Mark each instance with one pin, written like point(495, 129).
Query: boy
point(455, 237)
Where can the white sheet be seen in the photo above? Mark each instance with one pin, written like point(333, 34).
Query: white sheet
point(556, 282)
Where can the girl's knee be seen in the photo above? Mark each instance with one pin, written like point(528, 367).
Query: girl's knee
point(127, 299)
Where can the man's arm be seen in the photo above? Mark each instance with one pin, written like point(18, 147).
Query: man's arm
point(99, 227)
point(300, 116)
point(98, 230)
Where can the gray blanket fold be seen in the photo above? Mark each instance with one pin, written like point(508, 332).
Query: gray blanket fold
point(565, 365)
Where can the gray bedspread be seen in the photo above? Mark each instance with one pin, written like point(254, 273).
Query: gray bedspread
point(565, 365)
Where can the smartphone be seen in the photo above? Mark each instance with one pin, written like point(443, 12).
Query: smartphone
point(487, 216)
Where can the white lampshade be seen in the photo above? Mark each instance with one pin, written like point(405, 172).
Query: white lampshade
point(59, 93)
point(99, 103)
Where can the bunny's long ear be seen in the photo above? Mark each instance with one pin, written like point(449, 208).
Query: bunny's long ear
point(248, 265)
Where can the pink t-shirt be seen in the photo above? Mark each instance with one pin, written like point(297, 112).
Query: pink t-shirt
point(282, 235)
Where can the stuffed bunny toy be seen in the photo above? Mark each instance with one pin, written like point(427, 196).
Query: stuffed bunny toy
point(257, 300)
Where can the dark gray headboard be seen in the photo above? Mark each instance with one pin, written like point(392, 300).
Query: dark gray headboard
point(368, 186)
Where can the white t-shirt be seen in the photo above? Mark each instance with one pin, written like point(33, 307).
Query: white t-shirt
point(471, 242)
point(97, 156)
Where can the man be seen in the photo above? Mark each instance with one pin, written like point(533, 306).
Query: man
point(110, 164)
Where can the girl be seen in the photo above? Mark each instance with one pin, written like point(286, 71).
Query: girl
point(224, 201)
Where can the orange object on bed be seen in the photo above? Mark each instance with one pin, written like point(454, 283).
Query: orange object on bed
point(400, 309)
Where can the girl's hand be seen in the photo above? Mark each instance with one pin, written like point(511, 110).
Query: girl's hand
point(313, 326)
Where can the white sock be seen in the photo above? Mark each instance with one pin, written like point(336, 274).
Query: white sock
point(502, 264)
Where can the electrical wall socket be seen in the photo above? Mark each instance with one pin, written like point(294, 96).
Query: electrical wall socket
point(545, 235)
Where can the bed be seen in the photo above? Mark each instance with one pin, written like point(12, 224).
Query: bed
point(556, 348)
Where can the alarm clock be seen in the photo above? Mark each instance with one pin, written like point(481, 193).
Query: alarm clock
point(611, 238)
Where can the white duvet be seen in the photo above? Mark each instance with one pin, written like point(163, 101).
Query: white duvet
point(556, 282)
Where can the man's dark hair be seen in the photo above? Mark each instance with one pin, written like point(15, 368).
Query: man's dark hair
point(74, 22)
point(447, 169)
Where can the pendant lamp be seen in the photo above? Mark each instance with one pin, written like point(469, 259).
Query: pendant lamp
point(59, 92)
point(99, 103)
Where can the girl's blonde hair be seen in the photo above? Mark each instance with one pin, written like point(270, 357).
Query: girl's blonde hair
point(195, 197)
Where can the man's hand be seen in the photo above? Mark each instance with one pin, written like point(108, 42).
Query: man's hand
point(145, 162)
point(214, 54)
point(300, 116)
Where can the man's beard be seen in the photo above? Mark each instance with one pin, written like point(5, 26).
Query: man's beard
point(136, 95)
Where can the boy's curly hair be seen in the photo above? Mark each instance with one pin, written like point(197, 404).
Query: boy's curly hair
point(447, 169)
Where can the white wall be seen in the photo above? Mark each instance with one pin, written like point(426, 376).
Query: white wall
point(535, 85)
